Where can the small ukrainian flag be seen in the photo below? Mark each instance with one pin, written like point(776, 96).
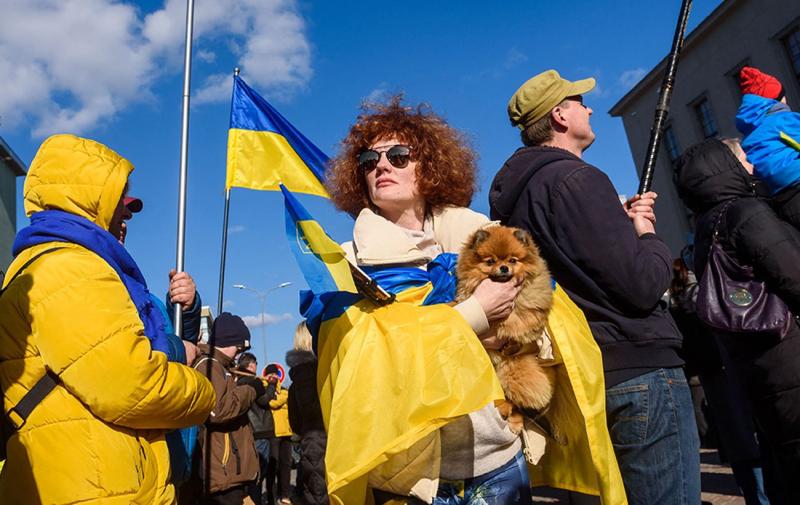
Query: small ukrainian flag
point(322, 261)
point(265, 150)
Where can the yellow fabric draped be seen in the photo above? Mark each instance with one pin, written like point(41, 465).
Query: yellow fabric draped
point(388, 377)
point(587, 463)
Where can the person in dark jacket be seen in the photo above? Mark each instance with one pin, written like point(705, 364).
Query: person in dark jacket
point(305, 417)
point(710, 178)
point(260, 420)
point(609, 260)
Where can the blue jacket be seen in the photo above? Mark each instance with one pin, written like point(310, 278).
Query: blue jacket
point(761, 121)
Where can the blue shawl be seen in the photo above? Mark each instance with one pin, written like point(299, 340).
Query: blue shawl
point(58, 226)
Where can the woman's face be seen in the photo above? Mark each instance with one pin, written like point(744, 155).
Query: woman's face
point(390, 188)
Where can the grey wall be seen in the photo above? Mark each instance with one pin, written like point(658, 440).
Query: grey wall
point(748, 31)
point(8, 195)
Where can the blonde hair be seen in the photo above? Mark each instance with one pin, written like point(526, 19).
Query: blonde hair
point(302, 338)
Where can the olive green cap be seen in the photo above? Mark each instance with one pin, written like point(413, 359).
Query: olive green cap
point(537, 97)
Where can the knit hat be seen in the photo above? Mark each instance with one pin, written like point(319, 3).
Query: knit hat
point(752, 81)
point(540, 94)
point(229, 330)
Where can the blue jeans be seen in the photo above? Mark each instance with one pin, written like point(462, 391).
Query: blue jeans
point(653, 429)
point(508, 485)
point(254, 489)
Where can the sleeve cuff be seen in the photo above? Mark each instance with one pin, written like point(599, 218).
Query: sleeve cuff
point(649, 236)
point(472, 311)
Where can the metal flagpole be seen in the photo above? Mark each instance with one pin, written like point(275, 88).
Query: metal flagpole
point(662, 108)
point(187, 78)
point(224, 252)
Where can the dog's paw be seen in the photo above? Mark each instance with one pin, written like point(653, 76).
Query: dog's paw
point(516, 422)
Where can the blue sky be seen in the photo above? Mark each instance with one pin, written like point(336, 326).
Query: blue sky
point(112, 71)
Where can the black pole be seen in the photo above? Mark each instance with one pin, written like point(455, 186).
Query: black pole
point(224, 250)
point(662, 107)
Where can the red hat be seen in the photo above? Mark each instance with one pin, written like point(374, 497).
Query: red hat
point(755, 82)
point(134, 204)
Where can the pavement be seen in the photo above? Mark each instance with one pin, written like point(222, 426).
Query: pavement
point(718, 486)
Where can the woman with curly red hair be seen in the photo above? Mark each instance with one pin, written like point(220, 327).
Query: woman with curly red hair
point(408, 177)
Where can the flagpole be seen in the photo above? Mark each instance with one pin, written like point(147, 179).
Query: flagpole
point(224, 252)
point(187, 78)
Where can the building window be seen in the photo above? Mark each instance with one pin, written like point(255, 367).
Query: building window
point(706, 118)
point(792, 44)
point(671, 143)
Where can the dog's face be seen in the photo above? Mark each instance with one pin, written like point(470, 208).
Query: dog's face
point(502, 253)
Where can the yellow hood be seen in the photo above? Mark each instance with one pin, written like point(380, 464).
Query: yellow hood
point(76, 175)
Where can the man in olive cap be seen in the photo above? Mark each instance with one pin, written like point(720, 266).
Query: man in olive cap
point(607, 257)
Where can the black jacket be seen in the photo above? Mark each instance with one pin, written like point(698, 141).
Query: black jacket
point(305, 413)
point(305, 416)
point(259, 413)
point(708, 176)
point(616, 278)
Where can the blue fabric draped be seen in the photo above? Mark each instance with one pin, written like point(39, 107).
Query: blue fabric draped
point(441, 273)
point(58, 226)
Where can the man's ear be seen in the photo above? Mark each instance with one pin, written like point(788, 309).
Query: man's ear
point(557, 116)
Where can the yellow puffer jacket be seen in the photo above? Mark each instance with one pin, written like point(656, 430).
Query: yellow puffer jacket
point(98, 437)
point(280, 413)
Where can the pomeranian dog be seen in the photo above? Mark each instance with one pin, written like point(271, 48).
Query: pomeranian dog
point(506, 254)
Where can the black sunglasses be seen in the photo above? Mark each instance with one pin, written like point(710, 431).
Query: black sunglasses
point(398, 155)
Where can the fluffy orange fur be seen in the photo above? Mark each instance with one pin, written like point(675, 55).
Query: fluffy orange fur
point(506, 254)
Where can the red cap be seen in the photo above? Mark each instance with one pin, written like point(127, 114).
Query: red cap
point(755, 82)
point(134, 204)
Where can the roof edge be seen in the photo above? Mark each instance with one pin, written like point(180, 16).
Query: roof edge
point(699, 30)
point(8, 156)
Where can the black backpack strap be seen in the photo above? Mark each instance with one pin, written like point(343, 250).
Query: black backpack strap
point(18, 415)
point(27, 264)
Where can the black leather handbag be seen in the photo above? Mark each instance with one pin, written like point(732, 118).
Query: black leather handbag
point(732, 300)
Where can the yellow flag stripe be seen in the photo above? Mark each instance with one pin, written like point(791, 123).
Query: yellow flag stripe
point(330, 252)
point(262, 160)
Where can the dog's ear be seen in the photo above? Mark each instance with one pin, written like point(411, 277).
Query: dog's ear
point(478, 237)
point(523, 236)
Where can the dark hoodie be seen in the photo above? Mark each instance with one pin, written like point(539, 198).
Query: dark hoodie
point(616, 278)
point(708, 176)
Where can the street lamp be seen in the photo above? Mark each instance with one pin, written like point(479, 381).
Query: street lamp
point(262, 296)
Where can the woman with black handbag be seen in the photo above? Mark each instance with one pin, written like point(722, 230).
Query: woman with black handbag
point(748, 262)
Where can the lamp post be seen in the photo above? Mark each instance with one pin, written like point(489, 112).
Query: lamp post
point(262, 297)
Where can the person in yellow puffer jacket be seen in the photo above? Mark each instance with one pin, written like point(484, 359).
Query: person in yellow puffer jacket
point(76, 313)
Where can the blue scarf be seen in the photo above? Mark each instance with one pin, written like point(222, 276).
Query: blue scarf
point(58, 226)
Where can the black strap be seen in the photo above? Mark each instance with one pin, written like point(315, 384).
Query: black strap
point(18, 415)
point(27, 264)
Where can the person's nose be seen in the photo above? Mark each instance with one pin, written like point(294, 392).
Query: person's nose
point(383, 164)
point(590, 110)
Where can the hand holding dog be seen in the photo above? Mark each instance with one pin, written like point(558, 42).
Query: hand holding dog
point(497, 298)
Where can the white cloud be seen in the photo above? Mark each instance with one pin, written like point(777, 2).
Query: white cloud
point(69, 65)
point(629, 78)
point(379, 94)
point(227, 304)
point(265, 319)
point(237, 228)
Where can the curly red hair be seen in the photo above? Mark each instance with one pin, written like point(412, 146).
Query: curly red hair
point(446, 168)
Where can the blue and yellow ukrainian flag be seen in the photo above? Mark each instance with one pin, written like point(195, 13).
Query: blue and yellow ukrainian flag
point(321, 260)
point(265, 150)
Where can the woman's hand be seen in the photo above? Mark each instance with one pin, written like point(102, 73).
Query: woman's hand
point(497, 298)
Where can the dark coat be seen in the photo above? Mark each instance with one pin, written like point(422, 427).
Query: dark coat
point(305, 413)
point(616, 278)
point(305, 416)
point(708, 176)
